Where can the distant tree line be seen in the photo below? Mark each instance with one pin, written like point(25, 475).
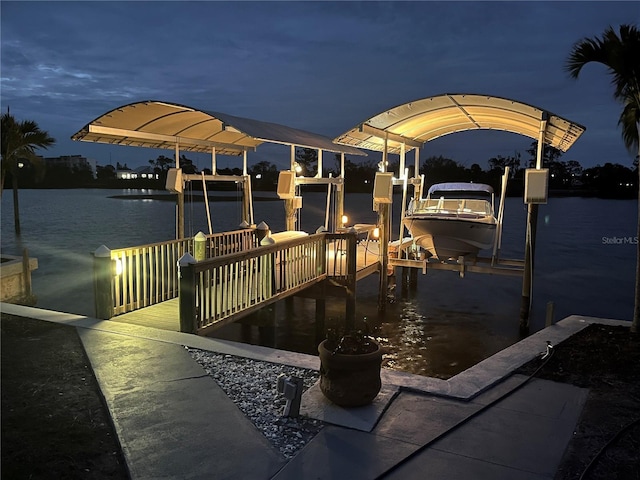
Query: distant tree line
point(610, 180)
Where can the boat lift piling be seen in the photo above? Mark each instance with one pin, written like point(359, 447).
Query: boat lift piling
point(532, 199)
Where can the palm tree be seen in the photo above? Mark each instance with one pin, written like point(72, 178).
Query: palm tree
point(621, 55)
point(19, 142)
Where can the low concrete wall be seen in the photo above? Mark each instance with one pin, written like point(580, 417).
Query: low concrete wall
point(14, 286)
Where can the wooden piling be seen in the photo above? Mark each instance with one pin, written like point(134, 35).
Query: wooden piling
point(385, 230)
point(187, 294)
point(102, 273)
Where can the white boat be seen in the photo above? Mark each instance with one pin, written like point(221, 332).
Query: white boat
point(456, 219)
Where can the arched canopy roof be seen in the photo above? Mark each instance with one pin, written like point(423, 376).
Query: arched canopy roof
point(155, 124)
point(421, 121)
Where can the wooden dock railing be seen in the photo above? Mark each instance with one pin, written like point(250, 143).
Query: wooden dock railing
point(222, 289)
point(127, 279)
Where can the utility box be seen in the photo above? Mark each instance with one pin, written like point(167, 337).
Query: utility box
point(174, 180)
point(297, 202)
point(536, 185)
point(383, 188)
point(286, 184)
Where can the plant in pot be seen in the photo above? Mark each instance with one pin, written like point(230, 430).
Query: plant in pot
point(350, 367)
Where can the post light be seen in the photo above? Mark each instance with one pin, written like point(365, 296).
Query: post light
point(376, 232)
point(297, 167)
point(117, 267)
point(344, 220)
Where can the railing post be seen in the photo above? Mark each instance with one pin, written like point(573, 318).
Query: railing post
point(200, 246)
point(187, 293)
point(102, 275)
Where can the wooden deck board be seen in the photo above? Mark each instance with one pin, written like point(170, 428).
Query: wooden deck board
point(163, 315)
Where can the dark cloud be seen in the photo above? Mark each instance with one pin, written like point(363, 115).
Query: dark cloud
point(319, 66)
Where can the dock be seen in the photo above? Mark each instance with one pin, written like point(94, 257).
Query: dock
point(238, 276)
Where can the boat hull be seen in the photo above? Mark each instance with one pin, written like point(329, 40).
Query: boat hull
point(448, 238)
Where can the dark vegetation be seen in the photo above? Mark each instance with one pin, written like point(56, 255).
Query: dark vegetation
point(54, 420)
point(565, 177)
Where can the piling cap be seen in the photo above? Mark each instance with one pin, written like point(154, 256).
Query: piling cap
point(186, 259)
point(244, 224)
point(267, 241)
point(102, 252)
point(200, 237)
point(262, 226)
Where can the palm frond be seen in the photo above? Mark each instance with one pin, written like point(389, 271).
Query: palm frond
point(630, 123)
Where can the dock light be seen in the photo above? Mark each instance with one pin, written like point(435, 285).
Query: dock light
point(118, 267)
point(297, 167)
point(344, 220)
point(290, 388)
point(376, 232)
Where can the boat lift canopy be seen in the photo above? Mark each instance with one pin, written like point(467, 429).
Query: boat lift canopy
point(156, 124)
point(412, 124)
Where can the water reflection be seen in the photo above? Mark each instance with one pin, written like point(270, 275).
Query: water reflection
point(444, 326)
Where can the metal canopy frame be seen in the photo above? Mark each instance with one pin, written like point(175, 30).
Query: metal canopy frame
point(412, 124)
point(157, 124)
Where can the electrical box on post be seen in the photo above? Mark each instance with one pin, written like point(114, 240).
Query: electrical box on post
point(286, 184)
point(536, 185)
point(297, 202)
point(383, 188)
point(174, 180)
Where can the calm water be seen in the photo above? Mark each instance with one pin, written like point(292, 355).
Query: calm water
point(447, 325)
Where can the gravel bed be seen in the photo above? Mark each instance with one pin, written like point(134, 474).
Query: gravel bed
point(251, 385)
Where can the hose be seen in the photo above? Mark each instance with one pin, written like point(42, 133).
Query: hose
point(545, 356)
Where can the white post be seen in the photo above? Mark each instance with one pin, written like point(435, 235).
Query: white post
point(179, 201)
point(402, 155)
point(244, 162)
point(497, 243)
point(342, 165)
point(319, 173)
point(206, 204)
point(404, 209)
point(293, 158)
point(213, 161)
point(384, 152)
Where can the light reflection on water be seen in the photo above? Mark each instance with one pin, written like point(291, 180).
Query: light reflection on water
point(443, 327)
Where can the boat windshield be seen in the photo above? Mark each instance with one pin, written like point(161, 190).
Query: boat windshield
point(458, 206)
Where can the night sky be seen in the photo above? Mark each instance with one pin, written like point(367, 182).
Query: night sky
point(318, 66)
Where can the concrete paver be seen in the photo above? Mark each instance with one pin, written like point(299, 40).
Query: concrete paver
point(172, 419)
point(523, 436)
point(337, 453)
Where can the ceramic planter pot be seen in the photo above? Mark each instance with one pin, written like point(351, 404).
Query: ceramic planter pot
point(350, 380)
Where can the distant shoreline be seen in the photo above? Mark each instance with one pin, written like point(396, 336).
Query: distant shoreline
point(165, 197)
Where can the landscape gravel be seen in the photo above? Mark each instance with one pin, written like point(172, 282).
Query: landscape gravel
point(251, 385)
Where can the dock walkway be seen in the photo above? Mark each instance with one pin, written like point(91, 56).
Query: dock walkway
point(165, 315)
